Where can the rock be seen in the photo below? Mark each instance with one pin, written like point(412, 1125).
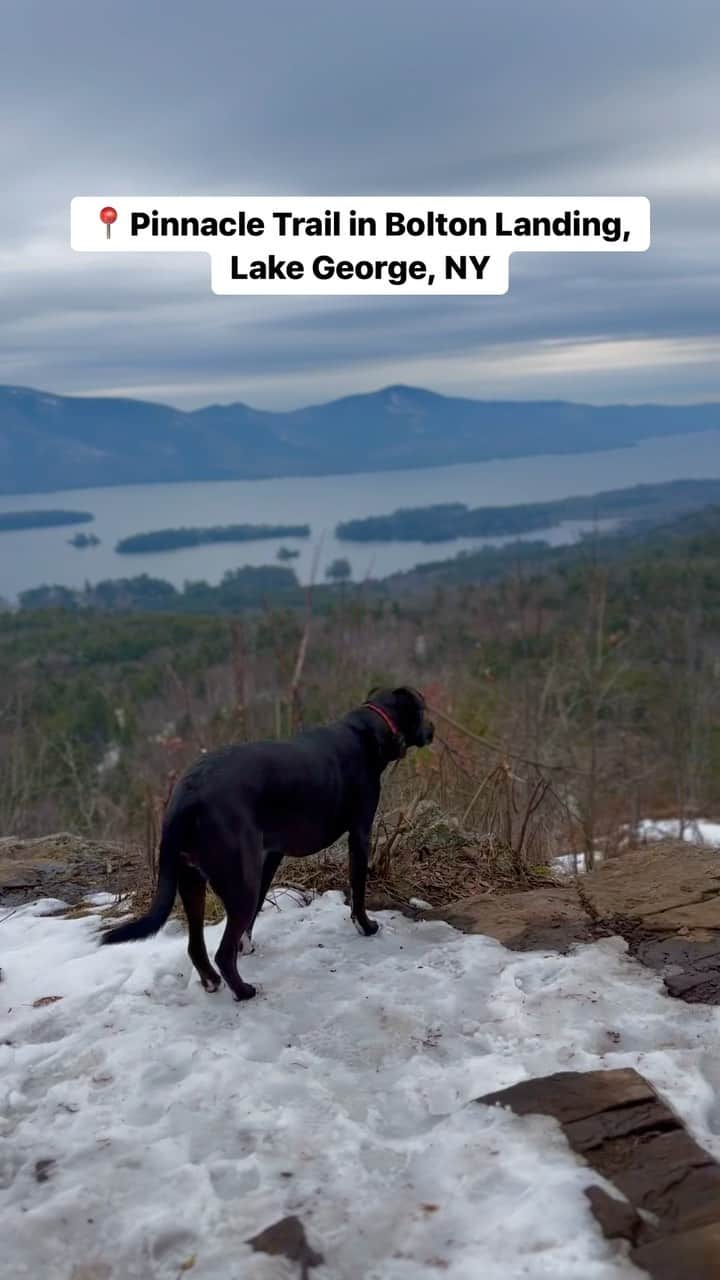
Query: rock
point(617, 1218)
point(668, 887)
point(286, 1238)
point(670, 1211)
point(61, 866)
point(510, 917)
point(695, 988)
point(664, 901)
point(688, 1255)
point(572, 1096)
point(19, 875)
point(44, 1169)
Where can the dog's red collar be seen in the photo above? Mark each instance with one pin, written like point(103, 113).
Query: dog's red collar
point(372, 706)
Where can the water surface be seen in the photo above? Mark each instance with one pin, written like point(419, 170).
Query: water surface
point(31, 557)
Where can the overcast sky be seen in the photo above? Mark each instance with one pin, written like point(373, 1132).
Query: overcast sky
point(390, 96)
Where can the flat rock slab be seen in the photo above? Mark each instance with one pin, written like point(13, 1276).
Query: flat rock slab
point(668, 1207)
point(668, 887)
point(665, 902)
point(689, 1255)
point(515, 918)
point(62, 865)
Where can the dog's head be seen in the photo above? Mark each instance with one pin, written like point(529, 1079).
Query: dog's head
point(407, 711)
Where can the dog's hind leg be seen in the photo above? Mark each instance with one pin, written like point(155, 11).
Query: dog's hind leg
point(232, 859)
point(238, 887)
point(239, 917)
point(191, 887)
point(270, 865)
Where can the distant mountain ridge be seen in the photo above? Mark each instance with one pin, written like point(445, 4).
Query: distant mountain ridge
point(50, 442)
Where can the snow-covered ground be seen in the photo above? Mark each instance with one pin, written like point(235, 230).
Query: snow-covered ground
point(148, 1129)
point(696, 831)
point(574, 863)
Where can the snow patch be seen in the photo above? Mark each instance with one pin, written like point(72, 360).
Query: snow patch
point(144, 1123)
point(575, 863)
point(695, 831)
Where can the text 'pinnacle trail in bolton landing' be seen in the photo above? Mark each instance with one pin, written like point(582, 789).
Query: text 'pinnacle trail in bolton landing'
point(364, 245)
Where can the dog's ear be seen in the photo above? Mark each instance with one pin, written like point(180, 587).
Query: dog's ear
point(375, 689)
point(406, 693)
point(409, 709)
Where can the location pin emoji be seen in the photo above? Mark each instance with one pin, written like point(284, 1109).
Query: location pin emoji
point(108, 215)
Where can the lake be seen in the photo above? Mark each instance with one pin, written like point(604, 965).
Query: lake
point(31, 557)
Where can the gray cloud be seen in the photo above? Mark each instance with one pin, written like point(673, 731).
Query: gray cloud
point(407, 97)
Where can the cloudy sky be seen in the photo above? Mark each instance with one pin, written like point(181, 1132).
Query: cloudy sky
point(387, 97)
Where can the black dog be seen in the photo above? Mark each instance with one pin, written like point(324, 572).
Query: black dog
point(239, 811)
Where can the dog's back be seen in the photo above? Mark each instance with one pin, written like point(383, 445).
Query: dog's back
point(295, 792)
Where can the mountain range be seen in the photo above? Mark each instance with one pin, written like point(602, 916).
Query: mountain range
point(50, 442)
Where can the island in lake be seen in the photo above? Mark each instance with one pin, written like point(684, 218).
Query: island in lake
point(10, 521)
point(82, 540)
point(174, 539)
point(444, 522)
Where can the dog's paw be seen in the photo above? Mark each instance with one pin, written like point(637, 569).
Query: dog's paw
point(367, 928)
point(247, 946)
point(244, 991)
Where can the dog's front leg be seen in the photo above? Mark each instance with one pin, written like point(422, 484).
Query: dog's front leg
point(359, 849)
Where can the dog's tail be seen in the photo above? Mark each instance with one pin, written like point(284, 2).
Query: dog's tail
point(165, 891)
